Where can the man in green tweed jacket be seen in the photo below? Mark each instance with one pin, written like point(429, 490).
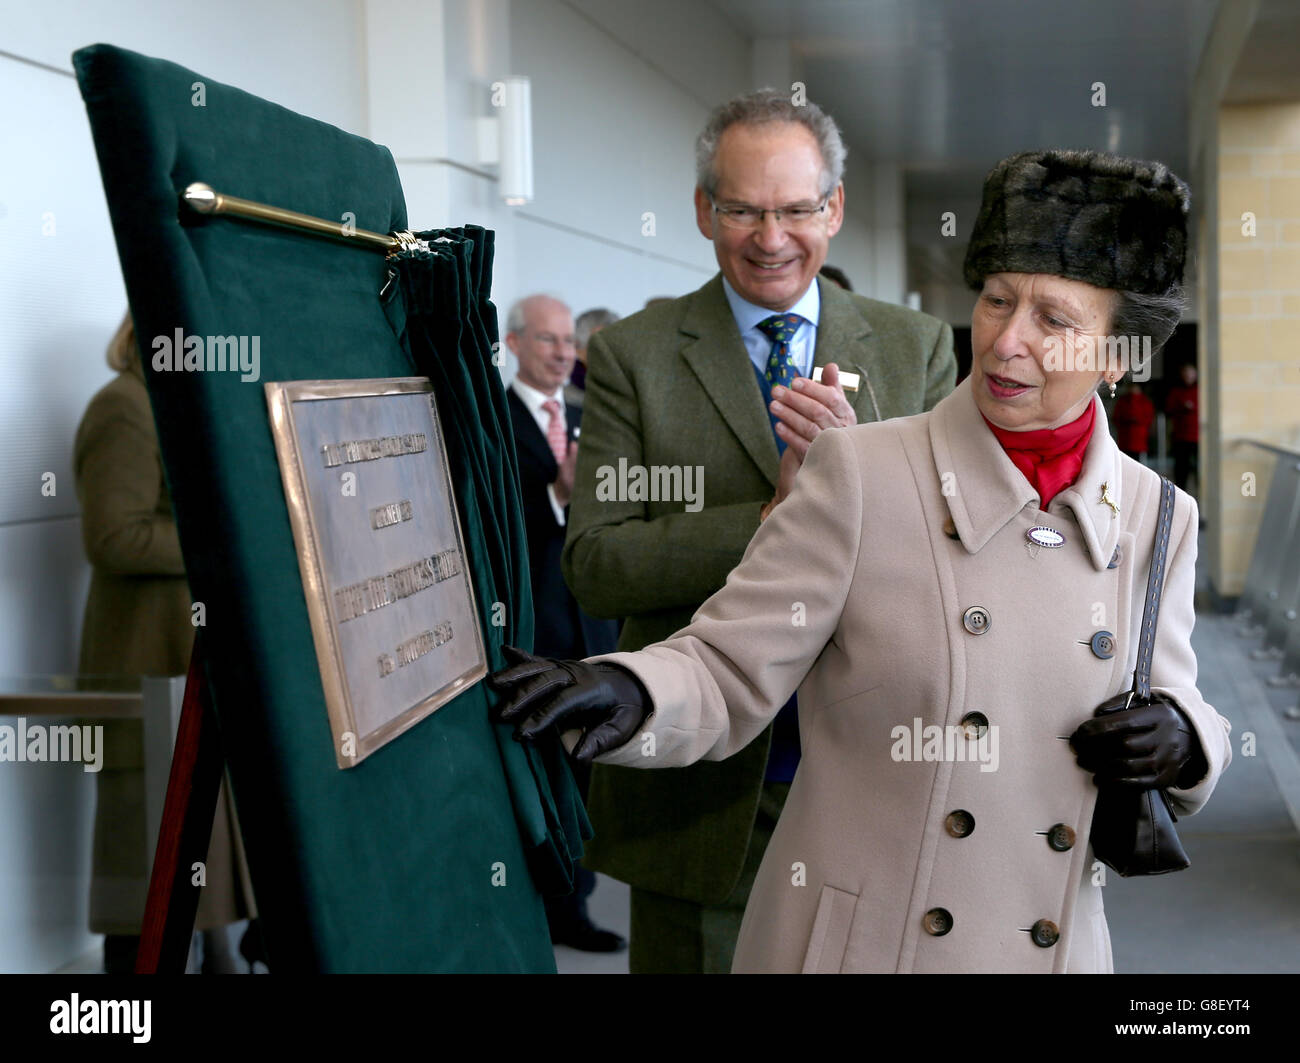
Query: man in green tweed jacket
point(698, 413)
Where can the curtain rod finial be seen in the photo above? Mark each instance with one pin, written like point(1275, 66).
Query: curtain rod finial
point(201, 197)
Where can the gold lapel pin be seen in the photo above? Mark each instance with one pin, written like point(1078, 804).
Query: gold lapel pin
point(1107, 500)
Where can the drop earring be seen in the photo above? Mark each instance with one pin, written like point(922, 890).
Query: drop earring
point(1112, 389)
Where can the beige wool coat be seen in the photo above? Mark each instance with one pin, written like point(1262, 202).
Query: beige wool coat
point(854, 592)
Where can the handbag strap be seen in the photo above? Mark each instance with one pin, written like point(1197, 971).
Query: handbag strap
point(1155, 584)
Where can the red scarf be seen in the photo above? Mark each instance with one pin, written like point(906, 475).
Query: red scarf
point(1050, 458)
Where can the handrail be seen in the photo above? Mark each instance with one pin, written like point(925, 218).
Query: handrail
point(1284, 452)
point(91, 704)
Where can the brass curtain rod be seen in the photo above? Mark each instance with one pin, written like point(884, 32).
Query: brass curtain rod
point(206, 200)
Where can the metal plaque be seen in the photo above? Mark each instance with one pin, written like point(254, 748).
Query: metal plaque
point(381, 554)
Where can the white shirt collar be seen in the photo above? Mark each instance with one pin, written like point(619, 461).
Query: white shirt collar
point(748, 315)
point(533, 398)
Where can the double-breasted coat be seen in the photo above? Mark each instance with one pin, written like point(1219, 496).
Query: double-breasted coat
point(938, 820)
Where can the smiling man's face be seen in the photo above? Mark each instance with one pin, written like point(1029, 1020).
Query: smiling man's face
point(544, 346)
point(775, 164)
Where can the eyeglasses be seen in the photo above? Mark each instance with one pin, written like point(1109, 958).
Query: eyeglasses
point(743, 216)
point(550, 339)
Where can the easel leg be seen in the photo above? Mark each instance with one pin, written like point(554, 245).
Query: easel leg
point(185, 831)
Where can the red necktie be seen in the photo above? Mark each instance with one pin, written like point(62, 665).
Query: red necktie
point(555, 432)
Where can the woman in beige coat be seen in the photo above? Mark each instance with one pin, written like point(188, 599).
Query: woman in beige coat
point(953, 594)
point(137, 622)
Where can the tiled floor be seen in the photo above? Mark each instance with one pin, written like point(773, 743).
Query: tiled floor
point(1237, 908)
point(608, 908)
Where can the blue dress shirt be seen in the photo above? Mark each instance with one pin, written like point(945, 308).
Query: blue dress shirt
point(802, 345)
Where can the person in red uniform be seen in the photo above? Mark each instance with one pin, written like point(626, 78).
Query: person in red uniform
point(1181, 406)
point(1133, 415)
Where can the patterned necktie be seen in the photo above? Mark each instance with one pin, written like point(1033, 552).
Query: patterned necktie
point(780, 329)
point(555, 432)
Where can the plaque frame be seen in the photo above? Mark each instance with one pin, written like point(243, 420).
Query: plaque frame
point(280, 397)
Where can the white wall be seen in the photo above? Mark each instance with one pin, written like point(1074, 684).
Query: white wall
point(615, 114)
point(619, 92)
point(304, 54)
point(613, 136)
point(61, 297)
point(61, 294)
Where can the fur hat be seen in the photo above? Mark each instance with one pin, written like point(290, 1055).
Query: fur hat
point(1112, 222)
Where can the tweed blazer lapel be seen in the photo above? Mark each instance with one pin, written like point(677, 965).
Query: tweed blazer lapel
point(716, 355)
point(842, 334)
point(984, 490)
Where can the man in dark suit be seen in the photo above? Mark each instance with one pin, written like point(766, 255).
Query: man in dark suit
point(539, 332)
point(718, 382)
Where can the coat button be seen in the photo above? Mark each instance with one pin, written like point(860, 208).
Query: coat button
point(976, 620)
point(1103, 645)
point(937, 922)
point(960, 823)
point(1045, 933)
point(975, 724)
point(1061, 838)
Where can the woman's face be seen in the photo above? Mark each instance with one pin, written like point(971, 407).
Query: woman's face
point(1036, 356)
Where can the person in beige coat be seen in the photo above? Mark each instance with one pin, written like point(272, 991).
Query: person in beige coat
point(137, 622)
point(953, 594)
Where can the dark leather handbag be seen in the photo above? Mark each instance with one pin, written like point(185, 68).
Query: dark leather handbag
point(1133, 830)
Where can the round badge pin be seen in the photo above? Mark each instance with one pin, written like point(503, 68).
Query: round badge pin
point(1048, 537)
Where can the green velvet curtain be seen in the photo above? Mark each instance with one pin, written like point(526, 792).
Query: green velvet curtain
point(439, 308)
point(430, 855)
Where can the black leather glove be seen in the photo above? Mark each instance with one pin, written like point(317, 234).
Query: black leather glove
point(1148, 747)
point(606, 701)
